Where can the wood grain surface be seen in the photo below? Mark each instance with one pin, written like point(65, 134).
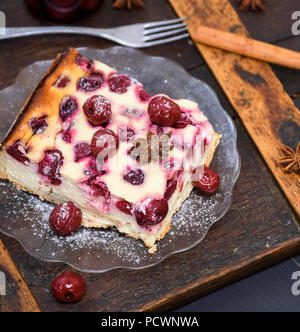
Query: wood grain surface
point(18, 296)
point(267, 112)
point(260, 228)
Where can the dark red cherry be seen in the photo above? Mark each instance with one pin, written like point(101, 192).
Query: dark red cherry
point(50, 166)
point(135, 177)
point(65, 218)
point(38, 125)
point(151, 211)
point(83, 62)
point(125, 207)
point(82, 150)
point(119, 83)
point(62, 81)
point(126, 134)
point(89, 5)
point(209, 182)
point(67, 107)
point(90, 84)
point(67, 136)
point(104, 141)
point(97, 109)
point(171, 187)
point(62, 10)
point(98, 188)
point(18, 152)
point(182, 122)
point(144, 95)
point(63, 3)
point(163, 111)
point(68, 287)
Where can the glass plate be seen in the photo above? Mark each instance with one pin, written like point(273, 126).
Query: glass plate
point(25, 217)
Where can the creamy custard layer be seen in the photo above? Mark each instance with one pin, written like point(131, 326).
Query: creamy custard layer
point(73, 178)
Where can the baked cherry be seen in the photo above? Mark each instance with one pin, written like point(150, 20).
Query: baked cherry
point(126, 134)
point(67, 136)
point(124, 206)
point(104, 141)
point(68, 287)
point(144, 95)
point(183, 121)
point(119, 83)
point(94, 166)
point(151, 211)
point(171, 187)
point(18, 152)
point(67, 107)
point(65, 218)
point(50, 166)
point(82, 150)
point(98, 188)
point(83, 62)
point(97, 109)
point(38, 125)
point(90, 84)
point(62, 81)
point(163, 111)
point(135, 177)
point(209, 182)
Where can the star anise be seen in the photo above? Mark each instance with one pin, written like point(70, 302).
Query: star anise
point(251, 4)
point(290, 161)
point(152, 148)
point(128, 3)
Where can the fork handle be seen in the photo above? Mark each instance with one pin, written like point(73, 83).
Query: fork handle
point(247, 46)
point(31, 31)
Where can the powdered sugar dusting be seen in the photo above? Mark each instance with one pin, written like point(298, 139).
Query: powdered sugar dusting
point(26, 218)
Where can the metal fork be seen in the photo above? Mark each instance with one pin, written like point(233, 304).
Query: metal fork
point(135, 35)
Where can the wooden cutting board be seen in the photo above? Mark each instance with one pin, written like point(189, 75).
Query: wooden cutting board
point(259, 229)
point(266, 110)
point(13, 284)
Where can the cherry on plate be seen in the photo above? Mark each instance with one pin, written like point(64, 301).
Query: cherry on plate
point(209, 182)
point(65, 218)
point(69, 287)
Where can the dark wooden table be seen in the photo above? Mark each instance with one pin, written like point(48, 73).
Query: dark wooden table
point(259, 205)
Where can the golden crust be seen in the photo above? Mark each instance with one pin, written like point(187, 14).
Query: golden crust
point(45, 101)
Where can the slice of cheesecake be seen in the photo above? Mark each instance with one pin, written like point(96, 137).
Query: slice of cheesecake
point(90, 135)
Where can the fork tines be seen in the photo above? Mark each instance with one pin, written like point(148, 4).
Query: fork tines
point(155, 32)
